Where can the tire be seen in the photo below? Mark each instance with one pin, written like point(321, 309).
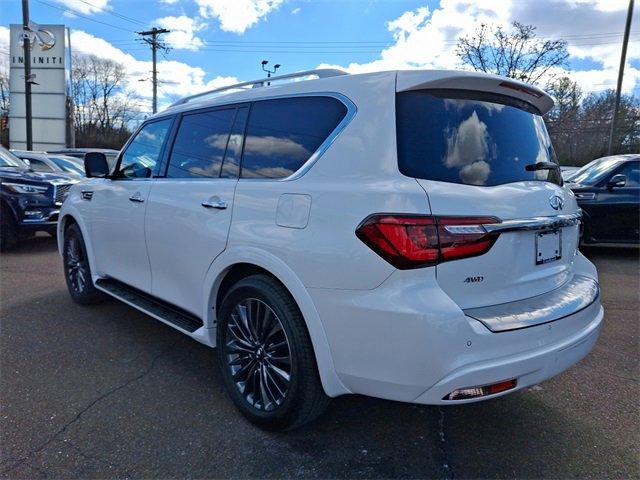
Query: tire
point(253, 360)
point(77, 272)
point(8, 229)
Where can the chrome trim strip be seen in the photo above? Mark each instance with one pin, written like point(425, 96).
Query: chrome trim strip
point(572, 297)
point(519, 224)
point(535, 223)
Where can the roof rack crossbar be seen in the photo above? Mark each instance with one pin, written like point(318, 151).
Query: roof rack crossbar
point(320, 73)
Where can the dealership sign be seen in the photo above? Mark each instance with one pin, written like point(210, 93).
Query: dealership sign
point(50, 64)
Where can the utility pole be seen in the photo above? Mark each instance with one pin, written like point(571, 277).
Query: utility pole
point(623, 59)
point(26, 39)
point(155, 44)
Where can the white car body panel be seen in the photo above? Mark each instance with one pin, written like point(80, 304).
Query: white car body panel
point(175, 217)
point(117, 229)
point(376, 330)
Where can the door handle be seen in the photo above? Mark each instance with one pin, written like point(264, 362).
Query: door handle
point(215, 203)
point(136, 197)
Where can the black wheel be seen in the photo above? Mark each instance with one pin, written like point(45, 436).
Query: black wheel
point(266, 356)
point(77, 272)
point(8, 229)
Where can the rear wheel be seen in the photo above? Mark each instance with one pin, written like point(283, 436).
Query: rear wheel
point(77, 271)
point(266, 356)
point(8, 229)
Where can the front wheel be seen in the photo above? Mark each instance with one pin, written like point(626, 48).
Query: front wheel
point(266, 356)
point(77, 271)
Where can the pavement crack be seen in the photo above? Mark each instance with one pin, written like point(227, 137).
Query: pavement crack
point(88, 407)
point(446, 463)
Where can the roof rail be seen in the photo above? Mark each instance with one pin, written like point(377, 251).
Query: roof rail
point(320, 73)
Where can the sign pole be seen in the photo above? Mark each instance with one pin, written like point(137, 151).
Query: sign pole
point(27, 70)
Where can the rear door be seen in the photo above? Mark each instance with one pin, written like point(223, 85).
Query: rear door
point(189, 210)
point(489, 155)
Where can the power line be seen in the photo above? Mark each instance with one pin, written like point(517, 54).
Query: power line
point(114, 13)
point(83, 16)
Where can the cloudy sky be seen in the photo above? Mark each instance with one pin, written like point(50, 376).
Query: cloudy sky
point(215, 42)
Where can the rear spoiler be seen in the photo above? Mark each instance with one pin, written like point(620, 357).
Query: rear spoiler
point(459, 80)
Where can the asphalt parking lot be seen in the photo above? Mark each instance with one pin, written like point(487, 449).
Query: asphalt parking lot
point(105, 392)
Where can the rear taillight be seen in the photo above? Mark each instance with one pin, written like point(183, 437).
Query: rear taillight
point(412, 241)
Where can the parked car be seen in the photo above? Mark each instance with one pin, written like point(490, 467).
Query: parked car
point(404, 235)
point(608, 191)
point(30, 201)
point(568, 171)
point(42, 162)
point(68, 163)
point(81, 152)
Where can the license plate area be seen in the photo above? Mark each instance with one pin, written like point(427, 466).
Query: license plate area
point(548, 246)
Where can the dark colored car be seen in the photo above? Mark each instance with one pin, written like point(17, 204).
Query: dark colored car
point(29, 201)
point(608, 191)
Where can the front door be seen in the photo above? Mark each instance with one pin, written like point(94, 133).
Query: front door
point(189, 210)
point(118, 209)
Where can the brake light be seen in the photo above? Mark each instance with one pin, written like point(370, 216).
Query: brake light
point(412, 241)
point(521, 89)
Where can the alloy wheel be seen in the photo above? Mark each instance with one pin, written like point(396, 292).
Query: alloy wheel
point(76, 269)
point(258, 354)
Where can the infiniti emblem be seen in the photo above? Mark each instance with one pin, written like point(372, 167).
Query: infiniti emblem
point(556, 202)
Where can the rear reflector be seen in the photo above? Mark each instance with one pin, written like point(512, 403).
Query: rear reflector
point(412, 241)
point(475, 392)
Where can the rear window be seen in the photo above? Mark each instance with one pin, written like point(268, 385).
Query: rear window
point(282, 134)
point(471, 138)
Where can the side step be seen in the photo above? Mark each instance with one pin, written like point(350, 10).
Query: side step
point(148, 303)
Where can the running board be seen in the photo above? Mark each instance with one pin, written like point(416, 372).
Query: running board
point(151, 305)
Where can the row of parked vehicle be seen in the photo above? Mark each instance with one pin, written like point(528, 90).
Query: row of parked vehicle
point(34, 185)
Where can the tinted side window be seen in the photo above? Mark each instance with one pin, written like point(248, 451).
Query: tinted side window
point(200, 144)
point(632, 171)
point(140, 158)
point(283, 133)
point(231, 165)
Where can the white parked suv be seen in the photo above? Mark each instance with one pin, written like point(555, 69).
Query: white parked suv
point(404, 235)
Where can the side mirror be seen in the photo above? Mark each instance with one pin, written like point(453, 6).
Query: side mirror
point(96, 165)
point(617, 181)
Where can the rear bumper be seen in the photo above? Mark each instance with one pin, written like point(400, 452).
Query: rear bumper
point(407, 340)
point(528, 368)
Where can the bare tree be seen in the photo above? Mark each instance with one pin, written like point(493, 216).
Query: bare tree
point(104, 109)
point(516, 54)
point(563, 121)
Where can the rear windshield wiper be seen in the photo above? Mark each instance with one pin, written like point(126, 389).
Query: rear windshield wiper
point(534, 167)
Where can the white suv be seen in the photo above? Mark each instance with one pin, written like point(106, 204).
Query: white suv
point(403, 235)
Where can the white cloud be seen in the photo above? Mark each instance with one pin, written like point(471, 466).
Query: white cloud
point(237, 15)
point(296, 11)
point(176, 79)
point(427, 39)
point(169, 2)
point(183, 32)
point(88, 7)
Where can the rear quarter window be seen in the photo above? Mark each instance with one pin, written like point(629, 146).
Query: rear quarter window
point(472, 139)
point(282, 134)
